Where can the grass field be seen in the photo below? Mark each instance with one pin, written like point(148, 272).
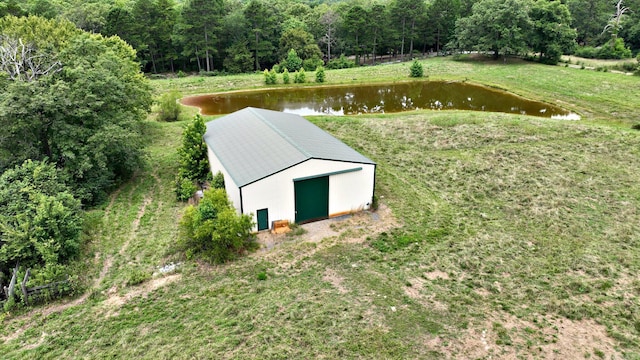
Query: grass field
point(518, 237)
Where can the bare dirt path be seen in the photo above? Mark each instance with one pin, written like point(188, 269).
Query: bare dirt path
point(350, 229)
point(106, 266)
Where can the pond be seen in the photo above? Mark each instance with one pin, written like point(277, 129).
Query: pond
point(376, 98)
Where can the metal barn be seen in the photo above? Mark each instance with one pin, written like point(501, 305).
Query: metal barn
point(279, 166)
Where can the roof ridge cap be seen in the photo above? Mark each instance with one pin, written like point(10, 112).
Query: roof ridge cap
point(280, 133)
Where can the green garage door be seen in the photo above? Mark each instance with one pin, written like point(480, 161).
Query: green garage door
point(312, 199)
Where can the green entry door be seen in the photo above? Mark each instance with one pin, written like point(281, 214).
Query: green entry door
point(263, 219)
point(312, 199)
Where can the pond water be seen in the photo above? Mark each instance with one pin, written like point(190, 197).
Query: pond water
point(377, 98)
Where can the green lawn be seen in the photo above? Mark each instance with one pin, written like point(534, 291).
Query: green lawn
point(519, 238)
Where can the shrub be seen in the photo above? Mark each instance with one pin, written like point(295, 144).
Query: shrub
point(416, 69)
point(588, 52)
point(270, 77)
point(214, 230)
point(194, 162)
point(340, 63)
point(185, 188)
point(40, 220)
point(300, 77)
point(552, 55)
point(312, 63)
point(614, 50)
point(180, 74)
point(218, 181)
point(285, 76)
point(137, 276)
point(320, 75)
point(169, 106)
point(293, 61)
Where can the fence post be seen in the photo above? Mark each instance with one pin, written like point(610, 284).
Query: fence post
point(23, 286)
point(12, 284)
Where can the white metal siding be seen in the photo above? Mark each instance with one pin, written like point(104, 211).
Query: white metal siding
point(352, 191)
point(233, 192)
point(347, 192)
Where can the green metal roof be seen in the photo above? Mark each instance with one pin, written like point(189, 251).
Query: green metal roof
point(254, 143)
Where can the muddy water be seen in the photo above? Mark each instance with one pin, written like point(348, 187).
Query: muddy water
point(378, 98)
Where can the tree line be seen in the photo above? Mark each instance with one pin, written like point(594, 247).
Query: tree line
point(238, 36)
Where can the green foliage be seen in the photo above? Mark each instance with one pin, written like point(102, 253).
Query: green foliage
point(169, 107)
point(262, 276)
point(273, 76)
point(199, 30)
point(496, 26)
point(301, 41)
point(551, 32)
point(285, 76)
point(416, 70)
point(136, 276)
point(214, 230)
point(614, 49)
point(320, 75)
point(293, 61)
point(267, 78)
point(184, 188)
point(299, 77)
point(587, 52)
point(239, 59)
point(218, 181)
point(193, 158)
point(262, 26)
point(340, 63)
point(270, 77)
point(312, 63)
point(40, 220)
point(86, 117)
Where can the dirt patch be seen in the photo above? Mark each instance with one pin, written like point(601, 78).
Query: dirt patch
point(504, 336)
point(414, 291)
point(115, 300)
point(482, 292)
point(334, 279)
point(290, 250)
point(435, 275)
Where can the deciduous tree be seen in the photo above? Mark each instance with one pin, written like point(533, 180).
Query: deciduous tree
point(551, 33)
point(86, 117)
point(496, 26)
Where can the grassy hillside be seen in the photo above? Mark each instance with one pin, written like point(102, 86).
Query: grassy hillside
point(516, 237)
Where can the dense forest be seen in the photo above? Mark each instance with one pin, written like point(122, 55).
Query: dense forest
point(235, 36)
